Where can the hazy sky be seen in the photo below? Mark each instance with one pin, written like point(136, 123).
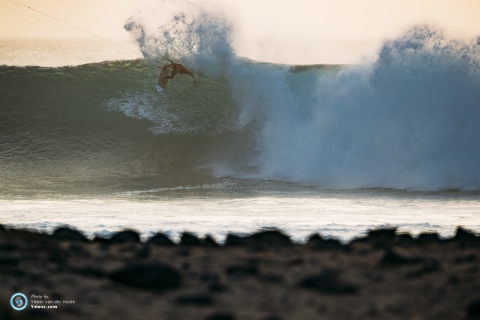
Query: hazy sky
point(300, 31)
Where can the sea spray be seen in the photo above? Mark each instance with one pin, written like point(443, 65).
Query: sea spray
point(199, 39)
point(409, 121)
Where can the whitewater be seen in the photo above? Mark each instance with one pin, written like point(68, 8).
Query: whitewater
point(334, 149)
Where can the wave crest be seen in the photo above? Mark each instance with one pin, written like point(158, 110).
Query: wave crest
point(198, 38)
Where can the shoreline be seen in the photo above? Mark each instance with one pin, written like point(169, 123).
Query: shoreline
point(383, 275)
point(342, 216)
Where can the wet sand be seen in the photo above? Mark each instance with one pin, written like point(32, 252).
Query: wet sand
point(264, 276)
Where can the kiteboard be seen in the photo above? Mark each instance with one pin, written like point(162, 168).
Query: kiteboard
point(161, 82)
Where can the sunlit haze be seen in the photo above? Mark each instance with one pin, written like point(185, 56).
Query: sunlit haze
point(300, 32)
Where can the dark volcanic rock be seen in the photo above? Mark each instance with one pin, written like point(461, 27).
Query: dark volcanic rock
point(427, 267)
point(378, 238)
point(404, 239)
point(189, 239)
point(28, 236)
point(100, 240)
point(8, 247)
point(270, 238)
point(473, 309)
point(8, 261)
point(381, 237)
point(241, 271)
point(209, 277)
point(213, 281)
point(393, 257)
point(388, 233)
point(127, 236)
point(464, 235)
point(160, 239)
point(76, 249)
point(183, 251)
point(217, 287)
point(271, 277)
point(295, 262)
point(317, 242)
point(92, 271)
point(327, 282)
point(221, 315)
point(469, 258)
point(234, 240)
point(58, 257)
point(148, 276)
point(67, 234)
point(210, 242)
point(144, 252)
point(428, 237)
point(197, 299)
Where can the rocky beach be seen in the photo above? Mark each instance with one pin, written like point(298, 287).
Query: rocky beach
point(264, 276)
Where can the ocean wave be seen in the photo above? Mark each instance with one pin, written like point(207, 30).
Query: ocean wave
point(407, 121)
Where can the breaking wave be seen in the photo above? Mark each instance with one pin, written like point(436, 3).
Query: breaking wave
point(410, 120)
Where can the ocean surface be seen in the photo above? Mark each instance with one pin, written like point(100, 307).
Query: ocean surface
point(333, 149)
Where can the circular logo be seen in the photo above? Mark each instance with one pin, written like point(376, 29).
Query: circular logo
point(19, 301)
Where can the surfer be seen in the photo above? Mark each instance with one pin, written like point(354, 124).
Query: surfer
point(178, 68)
point(166, 75)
